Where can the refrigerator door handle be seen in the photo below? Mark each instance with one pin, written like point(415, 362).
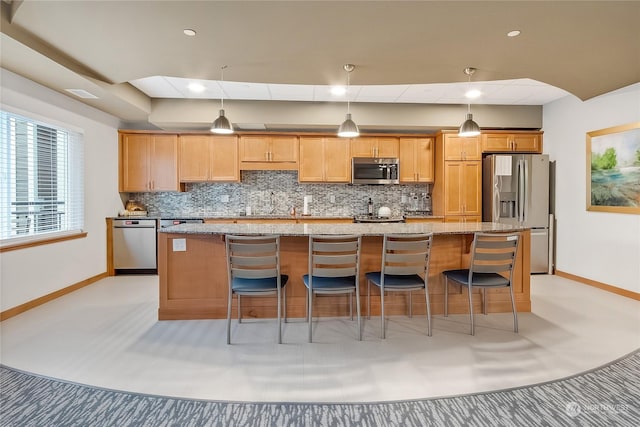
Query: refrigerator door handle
point(525, 194)
point(496, 199)
point(519, 191)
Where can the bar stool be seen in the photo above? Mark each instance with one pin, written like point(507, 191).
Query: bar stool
point(253, 269)
point(333, 269)
point(492, 260)
point(405, 268)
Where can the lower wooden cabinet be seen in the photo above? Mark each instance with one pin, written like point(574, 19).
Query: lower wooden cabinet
point(463, 218)
point(463, 188)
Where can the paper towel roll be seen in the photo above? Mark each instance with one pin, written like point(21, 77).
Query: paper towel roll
point(305, 207)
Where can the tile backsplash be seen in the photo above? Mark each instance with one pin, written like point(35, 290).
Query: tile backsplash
point(274, 193)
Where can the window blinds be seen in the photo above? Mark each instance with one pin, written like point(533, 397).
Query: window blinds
point(42, 178)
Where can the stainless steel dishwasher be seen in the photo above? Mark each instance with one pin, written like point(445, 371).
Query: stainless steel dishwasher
point(134, 245)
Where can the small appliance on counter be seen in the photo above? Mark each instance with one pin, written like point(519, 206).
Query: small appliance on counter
point(134, 208)
point(384, 212)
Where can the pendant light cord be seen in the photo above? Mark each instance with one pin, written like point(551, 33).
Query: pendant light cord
point(348, 94)
point(469, 72)
point(221, 88)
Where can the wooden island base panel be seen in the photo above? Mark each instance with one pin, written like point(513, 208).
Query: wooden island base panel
point(193, 282)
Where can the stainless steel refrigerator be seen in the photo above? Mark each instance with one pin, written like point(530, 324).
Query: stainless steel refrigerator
point(515, 190)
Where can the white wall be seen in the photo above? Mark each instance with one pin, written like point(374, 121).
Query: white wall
point(595, 245)
point(27, 274)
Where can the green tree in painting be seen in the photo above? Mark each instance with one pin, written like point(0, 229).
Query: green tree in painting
point(607, 160)
point(637, 161)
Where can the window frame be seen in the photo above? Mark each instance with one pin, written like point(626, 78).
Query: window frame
point(73, 159)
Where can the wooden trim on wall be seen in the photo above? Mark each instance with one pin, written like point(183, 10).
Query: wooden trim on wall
point(49, 297)
point(110, 269)
point(600, 285)
point(31, 244)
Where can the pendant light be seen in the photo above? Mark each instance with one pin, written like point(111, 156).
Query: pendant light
point(469, 127)
point(222, 124)
point(348, 128)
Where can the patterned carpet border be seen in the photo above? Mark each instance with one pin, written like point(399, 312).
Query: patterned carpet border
point(607, 395)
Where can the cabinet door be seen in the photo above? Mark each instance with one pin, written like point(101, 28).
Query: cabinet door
point(453, 187)
point(471, 148)
point(462, 148)
point(254, 148)
point(387, 147)
point(496, 143)
point(471, 189)
point(194, 157)
point(283, 149)
point(407, 160)
point(363, 147)
point(311, 166)
point(522, 142)
point(424, 159)
point(463, 193)
point(164, 163)
point(337, 161)
point(224, 159)
point(529, 143)
point(453, 147)
point(134, 163)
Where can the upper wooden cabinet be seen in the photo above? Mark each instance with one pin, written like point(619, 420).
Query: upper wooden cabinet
point(457, 189)
point(530, 142)
point(375, 147)
point(265, 152)
point(324, 159)
point(461, 148)
point(208, 158)
point(148, 162)
point(416, 160)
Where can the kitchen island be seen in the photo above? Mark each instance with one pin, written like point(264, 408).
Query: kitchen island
point(193, 276)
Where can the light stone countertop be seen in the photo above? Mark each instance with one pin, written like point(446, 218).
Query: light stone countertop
point(363, 229)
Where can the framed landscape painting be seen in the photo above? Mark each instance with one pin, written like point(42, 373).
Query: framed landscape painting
point(613, 169)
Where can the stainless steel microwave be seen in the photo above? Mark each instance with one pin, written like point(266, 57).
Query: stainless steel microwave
point(365, 170)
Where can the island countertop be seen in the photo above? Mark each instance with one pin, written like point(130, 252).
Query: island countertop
point(363, 229)
point(192, 268)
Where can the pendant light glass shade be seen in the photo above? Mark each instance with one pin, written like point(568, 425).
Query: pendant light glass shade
point(348, 128)
point(469, 127)
point(222, 125)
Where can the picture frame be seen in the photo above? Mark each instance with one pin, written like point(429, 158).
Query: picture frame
point(613, 169)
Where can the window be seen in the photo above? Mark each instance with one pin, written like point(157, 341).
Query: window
point(42, 179)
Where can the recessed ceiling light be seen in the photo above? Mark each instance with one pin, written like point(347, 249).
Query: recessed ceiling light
point(189, 32)
point(473, 93)
point(196, 87)
point(513, 33)
point(338, 90)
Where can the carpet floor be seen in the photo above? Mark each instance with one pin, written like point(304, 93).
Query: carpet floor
point(605, 396)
